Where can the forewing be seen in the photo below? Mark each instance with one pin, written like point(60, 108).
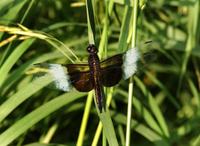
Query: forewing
point(113, 61)
point(119, 66)
point(80, 77)
point(111, 70)
point(73, 68)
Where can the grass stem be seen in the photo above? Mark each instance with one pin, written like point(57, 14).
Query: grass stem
point(130, 95)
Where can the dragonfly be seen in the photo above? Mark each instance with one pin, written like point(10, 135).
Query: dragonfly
point(93, 75)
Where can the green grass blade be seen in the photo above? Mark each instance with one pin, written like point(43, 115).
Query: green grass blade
point(125, 29)
point(17, 73)
point(143, 111)
point(194, 92)
point(108, 128)
point(9, 15)
point(90, 21)
point(130, 89)
point(13, 58)
point(85, 119)
point(158, 114)
point(142, 130)
point(193, 17)
point(91, 37)
point(154, 107)
point(161, 86)
point(24, 93)
point(29, 120)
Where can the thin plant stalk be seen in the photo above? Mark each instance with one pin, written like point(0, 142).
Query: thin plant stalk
point(130, 95)
point(91, 37)
point(85, 119)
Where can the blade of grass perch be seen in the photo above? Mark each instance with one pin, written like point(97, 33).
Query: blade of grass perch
point(91, 37)
point(104, 116)
point(130, 89)
point(103, 47)
point(100, 126)
point(108, 128)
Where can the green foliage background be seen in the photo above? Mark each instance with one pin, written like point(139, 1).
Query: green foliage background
point(166, 102)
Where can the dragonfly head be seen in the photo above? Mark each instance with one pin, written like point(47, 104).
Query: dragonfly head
point(92, 49)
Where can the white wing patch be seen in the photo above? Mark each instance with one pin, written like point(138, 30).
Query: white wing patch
point(130, 59)
point(61, 79)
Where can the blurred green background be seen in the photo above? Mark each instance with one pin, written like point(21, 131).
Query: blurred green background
point(166, 102)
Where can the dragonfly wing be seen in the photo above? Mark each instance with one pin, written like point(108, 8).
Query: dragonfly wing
point(111, 76)
point(61, 78)
point(80, 77)
point(57, 72)
point(111, 71)
point(130, 59)
point(116, 60)
point(119, 66)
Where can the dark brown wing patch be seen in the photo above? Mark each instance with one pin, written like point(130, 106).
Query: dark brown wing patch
point(80, 77)
point(111, 76)
point(114, 60)
point(111, 70)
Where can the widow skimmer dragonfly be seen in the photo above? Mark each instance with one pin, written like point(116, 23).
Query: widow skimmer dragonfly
point(95, 74)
